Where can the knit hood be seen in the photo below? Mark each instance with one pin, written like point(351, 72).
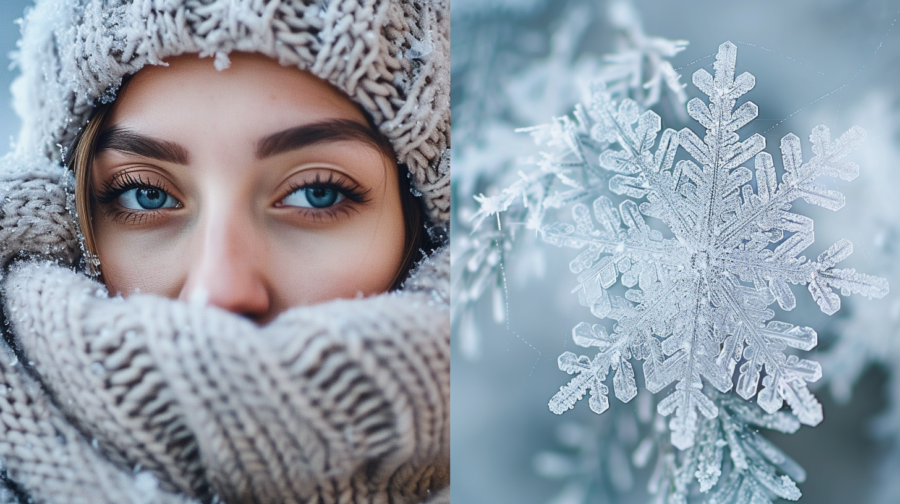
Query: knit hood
point(152, 400)
point(391, 57)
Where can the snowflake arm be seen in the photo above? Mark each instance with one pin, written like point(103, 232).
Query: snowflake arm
point(758, 470)
point(624, 71)
point(731, 461)
point(592, 372)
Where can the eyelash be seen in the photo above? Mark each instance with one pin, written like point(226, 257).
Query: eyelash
point(350, 189)
point(120, 184)
point(114, 188)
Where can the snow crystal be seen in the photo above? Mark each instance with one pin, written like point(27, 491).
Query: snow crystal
point(421, 48)
point(696, 304)
point(98, 369)
point(222, 61)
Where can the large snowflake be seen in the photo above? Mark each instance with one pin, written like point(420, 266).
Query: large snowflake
point(694, 305)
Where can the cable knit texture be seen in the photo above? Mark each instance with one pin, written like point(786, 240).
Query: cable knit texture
point(390, 56)
point(151, 400)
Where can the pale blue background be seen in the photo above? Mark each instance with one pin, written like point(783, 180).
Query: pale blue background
point(10, 11)
point(500, 418)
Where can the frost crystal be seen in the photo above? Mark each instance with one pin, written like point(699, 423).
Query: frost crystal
point(732, 462)
point(487, 147)
point(640, 55)
point(695, 304)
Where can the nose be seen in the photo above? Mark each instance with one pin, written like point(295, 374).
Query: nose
point(226, 267)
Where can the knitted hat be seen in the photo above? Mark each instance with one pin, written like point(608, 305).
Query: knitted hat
point(392, 57)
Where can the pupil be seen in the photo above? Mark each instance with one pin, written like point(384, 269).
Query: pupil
point(321, 197)
point(150, 199)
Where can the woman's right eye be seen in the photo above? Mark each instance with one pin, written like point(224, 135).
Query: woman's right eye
point(146, 198)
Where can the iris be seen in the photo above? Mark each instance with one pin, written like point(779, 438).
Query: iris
point(150, 199)
point(314, 197)
point(146, 198)
point(321, 197)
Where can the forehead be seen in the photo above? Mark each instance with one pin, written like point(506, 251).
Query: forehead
point(254, 96)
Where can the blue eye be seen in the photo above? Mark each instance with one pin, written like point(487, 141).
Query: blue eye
point(314, 197)
point(146, 198)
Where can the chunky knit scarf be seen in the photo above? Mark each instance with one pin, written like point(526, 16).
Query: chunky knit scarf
point(145, 399)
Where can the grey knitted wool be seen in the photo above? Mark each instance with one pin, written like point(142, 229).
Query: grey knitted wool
point(110, 400)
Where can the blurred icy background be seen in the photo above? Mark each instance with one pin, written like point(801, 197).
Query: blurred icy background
point(516, 64)
point(10, 11)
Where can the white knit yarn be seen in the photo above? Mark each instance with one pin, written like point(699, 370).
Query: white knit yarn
point(390, 56)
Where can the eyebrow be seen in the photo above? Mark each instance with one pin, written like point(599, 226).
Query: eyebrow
point(333, 130)
point(125, 140)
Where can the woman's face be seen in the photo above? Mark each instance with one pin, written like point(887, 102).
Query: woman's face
point(254, 189)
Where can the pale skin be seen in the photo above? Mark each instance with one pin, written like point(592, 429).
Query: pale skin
point(192, 202)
